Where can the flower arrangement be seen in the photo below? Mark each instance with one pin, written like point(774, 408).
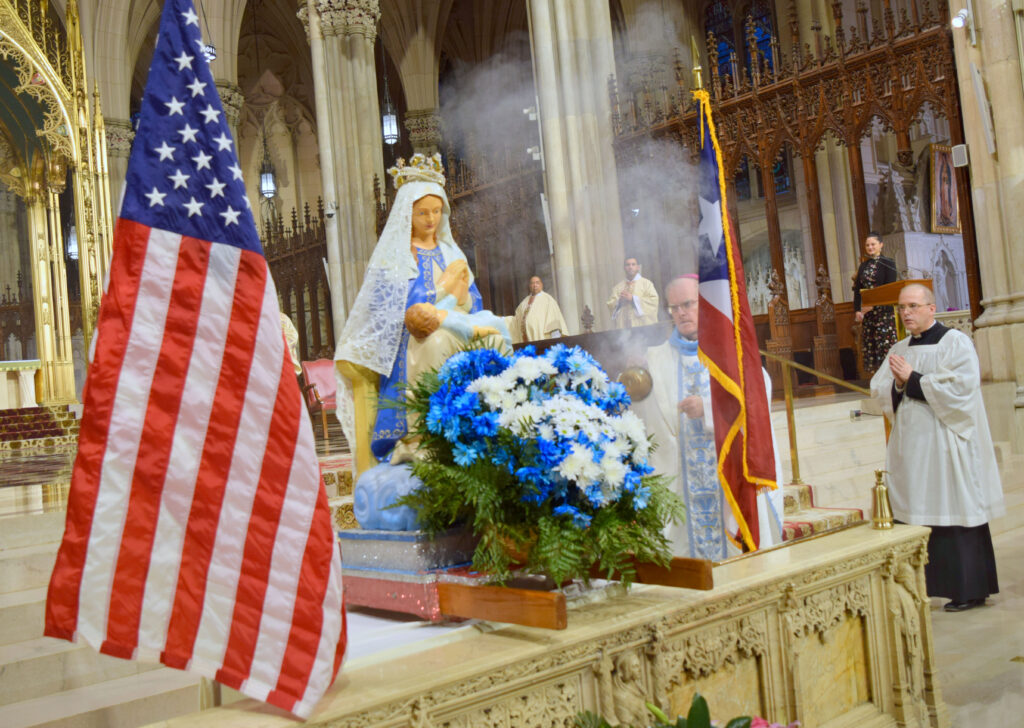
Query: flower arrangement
point(539, 455)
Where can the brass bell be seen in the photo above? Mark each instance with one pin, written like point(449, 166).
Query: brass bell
point(881, 511)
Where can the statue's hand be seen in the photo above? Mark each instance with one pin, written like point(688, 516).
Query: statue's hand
point(455, 280)
point(480, 332)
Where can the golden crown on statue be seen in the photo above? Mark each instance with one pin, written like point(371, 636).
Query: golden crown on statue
point(420, 168)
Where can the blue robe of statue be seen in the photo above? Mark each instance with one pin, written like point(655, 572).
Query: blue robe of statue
point(390, 425)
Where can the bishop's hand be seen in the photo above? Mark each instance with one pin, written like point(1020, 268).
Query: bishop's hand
point(692, 406)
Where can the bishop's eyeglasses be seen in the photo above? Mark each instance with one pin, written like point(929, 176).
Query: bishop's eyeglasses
point(912, 306)
point(684, 306)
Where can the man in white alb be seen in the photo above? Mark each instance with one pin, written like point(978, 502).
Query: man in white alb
point(678, 414)
point(634, 300)
point(941, 464)
point(538, 316)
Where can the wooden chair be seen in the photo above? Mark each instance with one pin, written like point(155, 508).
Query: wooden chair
point(320, 391)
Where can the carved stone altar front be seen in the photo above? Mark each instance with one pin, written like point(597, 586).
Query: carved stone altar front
point(833, 631)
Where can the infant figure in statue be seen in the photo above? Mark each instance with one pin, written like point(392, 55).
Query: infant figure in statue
point(439, 330)
point(416, 265)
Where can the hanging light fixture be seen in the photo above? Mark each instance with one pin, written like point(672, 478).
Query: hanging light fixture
point(207, 49)
point(389, 115)
point(268, 176)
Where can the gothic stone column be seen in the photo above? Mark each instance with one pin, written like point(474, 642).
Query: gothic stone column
point(424, 128)
point(119, 136)
point(573, 58)
point(342, 35)
point(997, 189)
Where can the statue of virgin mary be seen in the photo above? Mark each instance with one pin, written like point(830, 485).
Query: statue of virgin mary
point(405, 269)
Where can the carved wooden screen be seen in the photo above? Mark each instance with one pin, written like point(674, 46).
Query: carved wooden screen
point(885, 69)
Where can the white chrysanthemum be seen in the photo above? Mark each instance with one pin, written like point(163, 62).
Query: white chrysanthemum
point(492, 390)
point(530, 369)
point(632, 427)
point(520, 418)
point(579, 466)
point(613, 471)
point(616, 448)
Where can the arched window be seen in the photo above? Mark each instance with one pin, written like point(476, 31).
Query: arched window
point(718, 20)
point(761, 13)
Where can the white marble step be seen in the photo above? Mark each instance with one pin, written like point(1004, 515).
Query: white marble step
point(43, 666)
point(21, 615)
point(26, 567)
point(812, 411)
point(31, 530)
point(123, 703)
point(828, 433)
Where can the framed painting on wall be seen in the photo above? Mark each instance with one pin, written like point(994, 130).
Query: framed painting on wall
point(945, 207)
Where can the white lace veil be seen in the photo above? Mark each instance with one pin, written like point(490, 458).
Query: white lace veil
point(373, 329)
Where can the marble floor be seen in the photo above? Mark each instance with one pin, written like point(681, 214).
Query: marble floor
point(980, 653)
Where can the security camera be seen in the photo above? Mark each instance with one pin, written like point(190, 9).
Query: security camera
point(331, 208)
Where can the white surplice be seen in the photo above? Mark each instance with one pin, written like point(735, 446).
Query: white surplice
point(941, 464)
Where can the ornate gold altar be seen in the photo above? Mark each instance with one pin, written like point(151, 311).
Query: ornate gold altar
point(50, 142)
point(833, 631)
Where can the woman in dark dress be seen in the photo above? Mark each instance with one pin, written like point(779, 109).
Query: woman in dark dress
point(878, 332)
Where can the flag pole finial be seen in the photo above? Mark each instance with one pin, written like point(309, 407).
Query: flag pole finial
point(698, 78)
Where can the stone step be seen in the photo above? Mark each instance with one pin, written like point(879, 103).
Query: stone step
point(816, 412)
point(21, 615)
point(44, 666)
point(837, 463)
point(131, 701)
point(26, 567)
point(827, 434)
point(31, 530)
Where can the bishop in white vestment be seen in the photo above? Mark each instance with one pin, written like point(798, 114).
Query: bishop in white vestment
point(941, 464)
point(678, 414)
point(537, 316)
point(634, 300)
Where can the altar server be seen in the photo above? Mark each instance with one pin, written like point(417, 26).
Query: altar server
point(634, 300)
point(941, 464)
point(537, 316)
point(678, 414)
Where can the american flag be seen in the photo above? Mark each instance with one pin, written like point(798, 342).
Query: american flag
point(727, 345)
point(198, 533)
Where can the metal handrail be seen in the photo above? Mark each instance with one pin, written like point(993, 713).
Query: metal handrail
point(787, 386)
point(815, 372)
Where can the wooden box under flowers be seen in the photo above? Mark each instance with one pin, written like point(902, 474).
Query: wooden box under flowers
point(405, 571)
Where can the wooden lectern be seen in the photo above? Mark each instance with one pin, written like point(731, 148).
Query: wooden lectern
point(889, 295)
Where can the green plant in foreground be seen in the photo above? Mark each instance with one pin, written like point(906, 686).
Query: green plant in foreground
point(698, 717)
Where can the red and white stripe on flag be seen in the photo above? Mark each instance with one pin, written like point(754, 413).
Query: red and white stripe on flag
point(198, 532)
point(728, 347)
